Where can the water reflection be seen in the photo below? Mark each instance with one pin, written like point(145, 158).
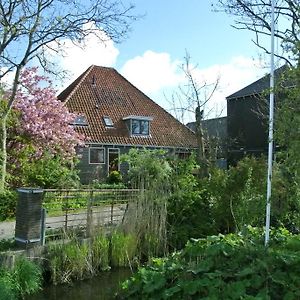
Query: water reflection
point(102, 287)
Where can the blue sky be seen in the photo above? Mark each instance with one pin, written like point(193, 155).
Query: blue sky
point(151, 55)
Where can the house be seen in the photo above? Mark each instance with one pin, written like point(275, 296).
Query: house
point(247, 118)
point(115, 116)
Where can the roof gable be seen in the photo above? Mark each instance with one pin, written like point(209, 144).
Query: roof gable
point(258, 86)
point(102, 91)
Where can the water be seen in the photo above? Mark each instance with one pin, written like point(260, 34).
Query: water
point(102, 287)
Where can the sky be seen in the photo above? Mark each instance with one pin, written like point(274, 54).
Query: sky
point(151, 56)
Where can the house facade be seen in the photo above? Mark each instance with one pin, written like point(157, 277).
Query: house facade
point(115, 116)
point(248, 118)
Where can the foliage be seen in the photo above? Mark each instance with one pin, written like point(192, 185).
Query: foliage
point(50, 172)
point(188, 205)
point(223, 267)
point(287, 135)
point(149, 171)
point(100, 186)
point(24, 279)
point(8, 201)
point(41, 141)
point(44, 120)
point(237, 195)
point(123, 249)
point(114, 177)
point(147, 168)
point(77, 260)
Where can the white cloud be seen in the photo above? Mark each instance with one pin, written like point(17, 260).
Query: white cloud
point(157, 75)
point(95, 49)
point(152, 72)
point(236, 74)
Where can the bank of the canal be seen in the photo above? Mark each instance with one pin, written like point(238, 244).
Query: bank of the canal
point(102, 287)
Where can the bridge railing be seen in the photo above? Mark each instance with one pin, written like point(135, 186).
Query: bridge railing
point(58, 213)
point(84, 210)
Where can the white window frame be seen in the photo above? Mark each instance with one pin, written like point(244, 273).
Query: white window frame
point(114, 150)
point(96, 148)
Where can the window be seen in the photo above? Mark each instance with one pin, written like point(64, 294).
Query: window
point(140, 127)
point(108, 122)
point(80, 121)
point(96, 155)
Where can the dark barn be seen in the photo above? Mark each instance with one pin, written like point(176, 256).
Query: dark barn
point(247, 119)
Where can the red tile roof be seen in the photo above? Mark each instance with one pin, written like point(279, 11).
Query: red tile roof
point(102, 91)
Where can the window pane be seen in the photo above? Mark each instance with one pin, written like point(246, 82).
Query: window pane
point(96, 156)
point(108, 122)
point(135, 127)
point(144, 127)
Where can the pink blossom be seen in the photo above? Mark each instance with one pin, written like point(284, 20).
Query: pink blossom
point(43, 118)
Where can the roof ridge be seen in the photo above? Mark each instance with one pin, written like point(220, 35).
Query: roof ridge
point(83, 76)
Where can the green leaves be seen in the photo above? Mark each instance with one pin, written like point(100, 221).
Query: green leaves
point(222, 267)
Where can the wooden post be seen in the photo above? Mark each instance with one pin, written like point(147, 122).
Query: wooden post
point(89, 218)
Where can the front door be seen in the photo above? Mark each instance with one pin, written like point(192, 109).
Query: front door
point(113, 159)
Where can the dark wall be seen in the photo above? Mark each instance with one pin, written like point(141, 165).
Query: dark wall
point(247, 127)
point(90, 172)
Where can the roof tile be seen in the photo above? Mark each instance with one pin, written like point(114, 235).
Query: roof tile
point(102, 91)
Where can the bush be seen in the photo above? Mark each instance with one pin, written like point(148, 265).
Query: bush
point(114, 177)
point(8, 202)
point(223, 267)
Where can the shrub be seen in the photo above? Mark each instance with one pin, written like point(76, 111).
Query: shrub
point(8, 202)
point(114, 177)
point(223, 267)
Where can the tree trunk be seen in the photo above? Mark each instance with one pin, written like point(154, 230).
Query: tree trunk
point(201, 157)
point(4, 151)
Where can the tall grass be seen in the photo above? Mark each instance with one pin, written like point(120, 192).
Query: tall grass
point(123, 249)
point(76, 260)
point(24, 279)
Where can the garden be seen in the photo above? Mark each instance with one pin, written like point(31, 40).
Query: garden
point(189, 236)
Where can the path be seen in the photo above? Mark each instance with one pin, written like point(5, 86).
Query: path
point(100, 217)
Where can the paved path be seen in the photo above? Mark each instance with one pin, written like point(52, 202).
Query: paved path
point(7, 230)
point(101, 216)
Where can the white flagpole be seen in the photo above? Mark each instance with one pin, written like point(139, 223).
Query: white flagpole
point(271, 124)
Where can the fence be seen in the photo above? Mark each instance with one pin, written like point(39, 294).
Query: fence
point(85, 210)
point(79, 210)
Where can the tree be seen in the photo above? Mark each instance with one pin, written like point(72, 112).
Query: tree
point(44, 121)
point(255, 15)
point(192, 98)
point(42, 129)
point(31, 27)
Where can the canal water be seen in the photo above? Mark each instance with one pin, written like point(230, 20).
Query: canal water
point(102, 287)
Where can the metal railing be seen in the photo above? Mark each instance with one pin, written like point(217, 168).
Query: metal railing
point(84, 210)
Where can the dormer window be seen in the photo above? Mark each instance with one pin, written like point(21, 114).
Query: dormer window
point(108, 122)
point(138, 125)
point(80, 121)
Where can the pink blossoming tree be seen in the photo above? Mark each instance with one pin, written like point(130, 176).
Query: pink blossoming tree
point(43, 130)
point(45, 120)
